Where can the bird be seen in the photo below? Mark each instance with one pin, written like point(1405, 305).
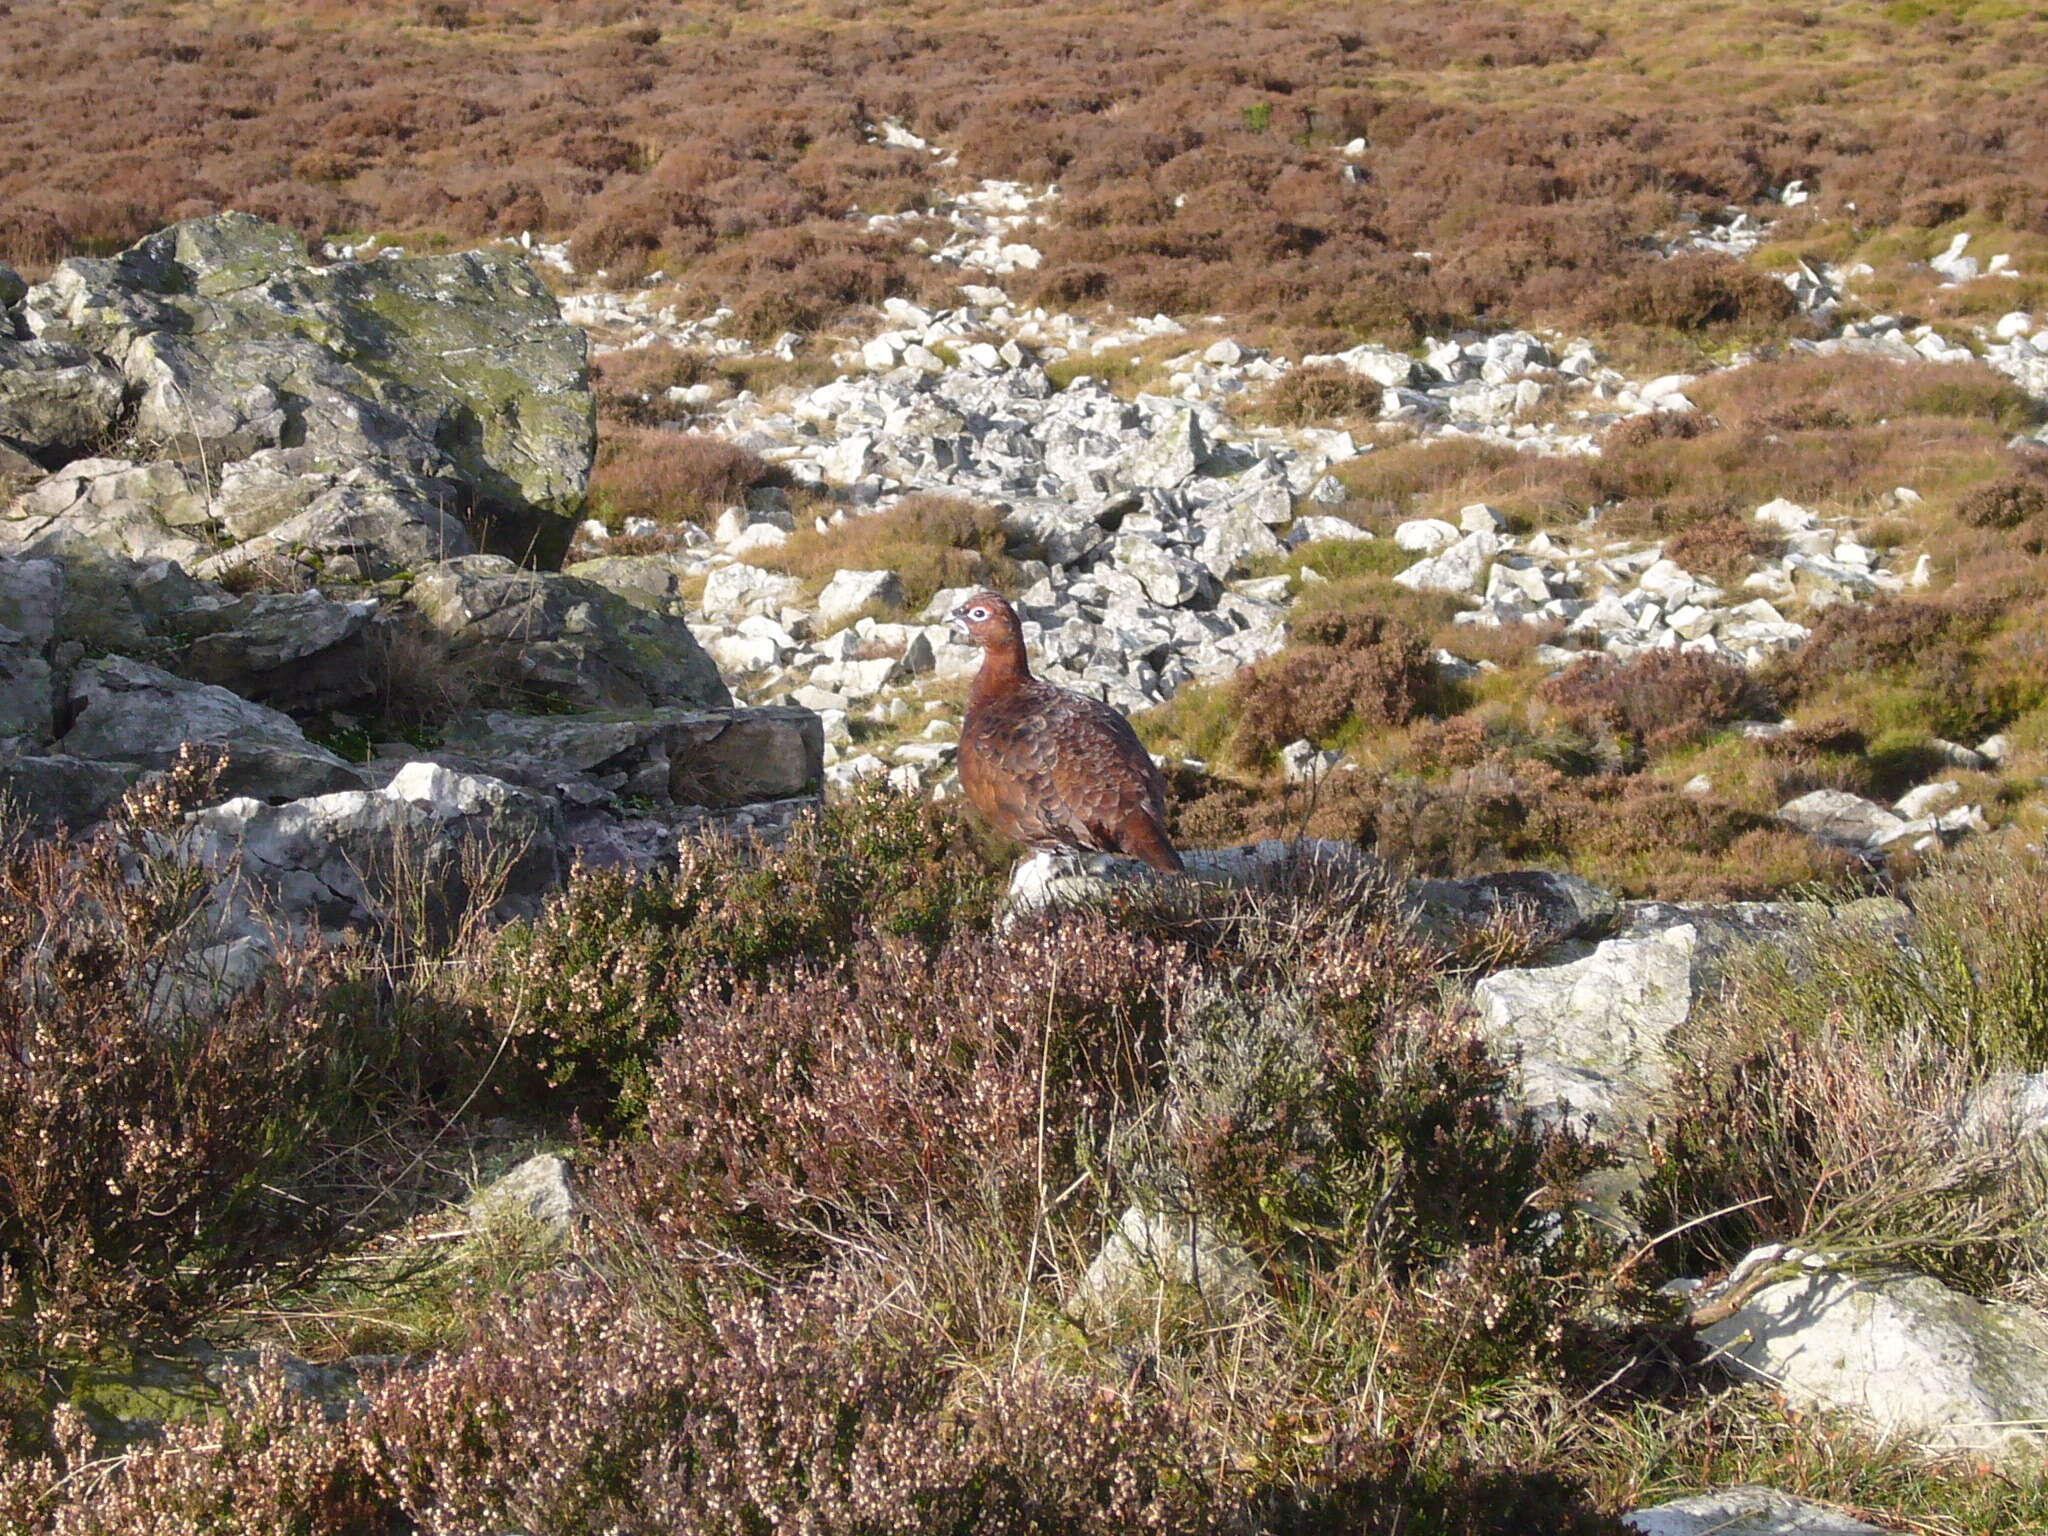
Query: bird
point(1053, 769)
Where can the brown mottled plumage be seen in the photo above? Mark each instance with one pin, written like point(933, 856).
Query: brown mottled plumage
point(1052, 768)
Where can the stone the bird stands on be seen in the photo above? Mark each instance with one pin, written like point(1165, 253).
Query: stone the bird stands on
point(1054, 769)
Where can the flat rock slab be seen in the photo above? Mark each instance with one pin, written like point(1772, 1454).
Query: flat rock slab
point(1082, 879)
point(1745, 1512)
point(700, 757)
point(1836, 816)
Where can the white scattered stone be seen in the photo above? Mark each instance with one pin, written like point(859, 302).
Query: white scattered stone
point(1836, 816)
point(1316, 530)
point(847, 460)
point(1301, 762)
point(1788, 516)
point(1956, 755)
point(1149, 1250)
point(1928, 799)
point(1458, 569)
point(537, 1192)
point(849, 593)
point(1662, 389)
point(734, 591)
point(1425, 535)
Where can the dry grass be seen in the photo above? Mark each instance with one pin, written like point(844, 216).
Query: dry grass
point(1321, 394)
point(929, 541)
point(670, 477)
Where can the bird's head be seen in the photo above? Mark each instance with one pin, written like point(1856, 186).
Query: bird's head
point(988, 620)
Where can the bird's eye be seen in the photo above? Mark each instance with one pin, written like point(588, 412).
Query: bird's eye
point(977, 614)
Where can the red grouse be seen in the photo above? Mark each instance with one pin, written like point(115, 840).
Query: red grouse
point(1052, 768)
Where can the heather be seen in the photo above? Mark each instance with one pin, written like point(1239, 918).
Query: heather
point(836, 1270)
point(491, 1049)
point(723, 151)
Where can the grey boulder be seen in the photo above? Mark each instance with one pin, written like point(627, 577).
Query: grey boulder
point(31, 599)
point(431, 838)
point(294, 650)
point(566, 639)
point(1557, 906)
point(56, 400)
point(46, 794)
point(28, 698)
point(121, 710)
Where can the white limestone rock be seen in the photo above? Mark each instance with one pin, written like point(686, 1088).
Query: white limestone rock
point(537, 1194)
point(1836, 816)
point(1425, 535)
point(1590, 1035)
point(1459, 568)
point(1903, 1353)
point(849, 593)
point(1748, 1511)
point(1149, 1250)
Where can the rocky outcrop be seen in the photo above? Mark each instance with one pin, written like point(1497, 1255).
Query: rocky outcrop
point(230, 340)
point(367, 522)
point(97, 510)
point(1590, 1028)
point(49, 793)
point(56, 401)
point(295, 651)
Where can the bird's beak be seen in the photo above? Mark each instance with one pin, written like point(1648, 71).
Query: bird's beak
point(958, 618)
